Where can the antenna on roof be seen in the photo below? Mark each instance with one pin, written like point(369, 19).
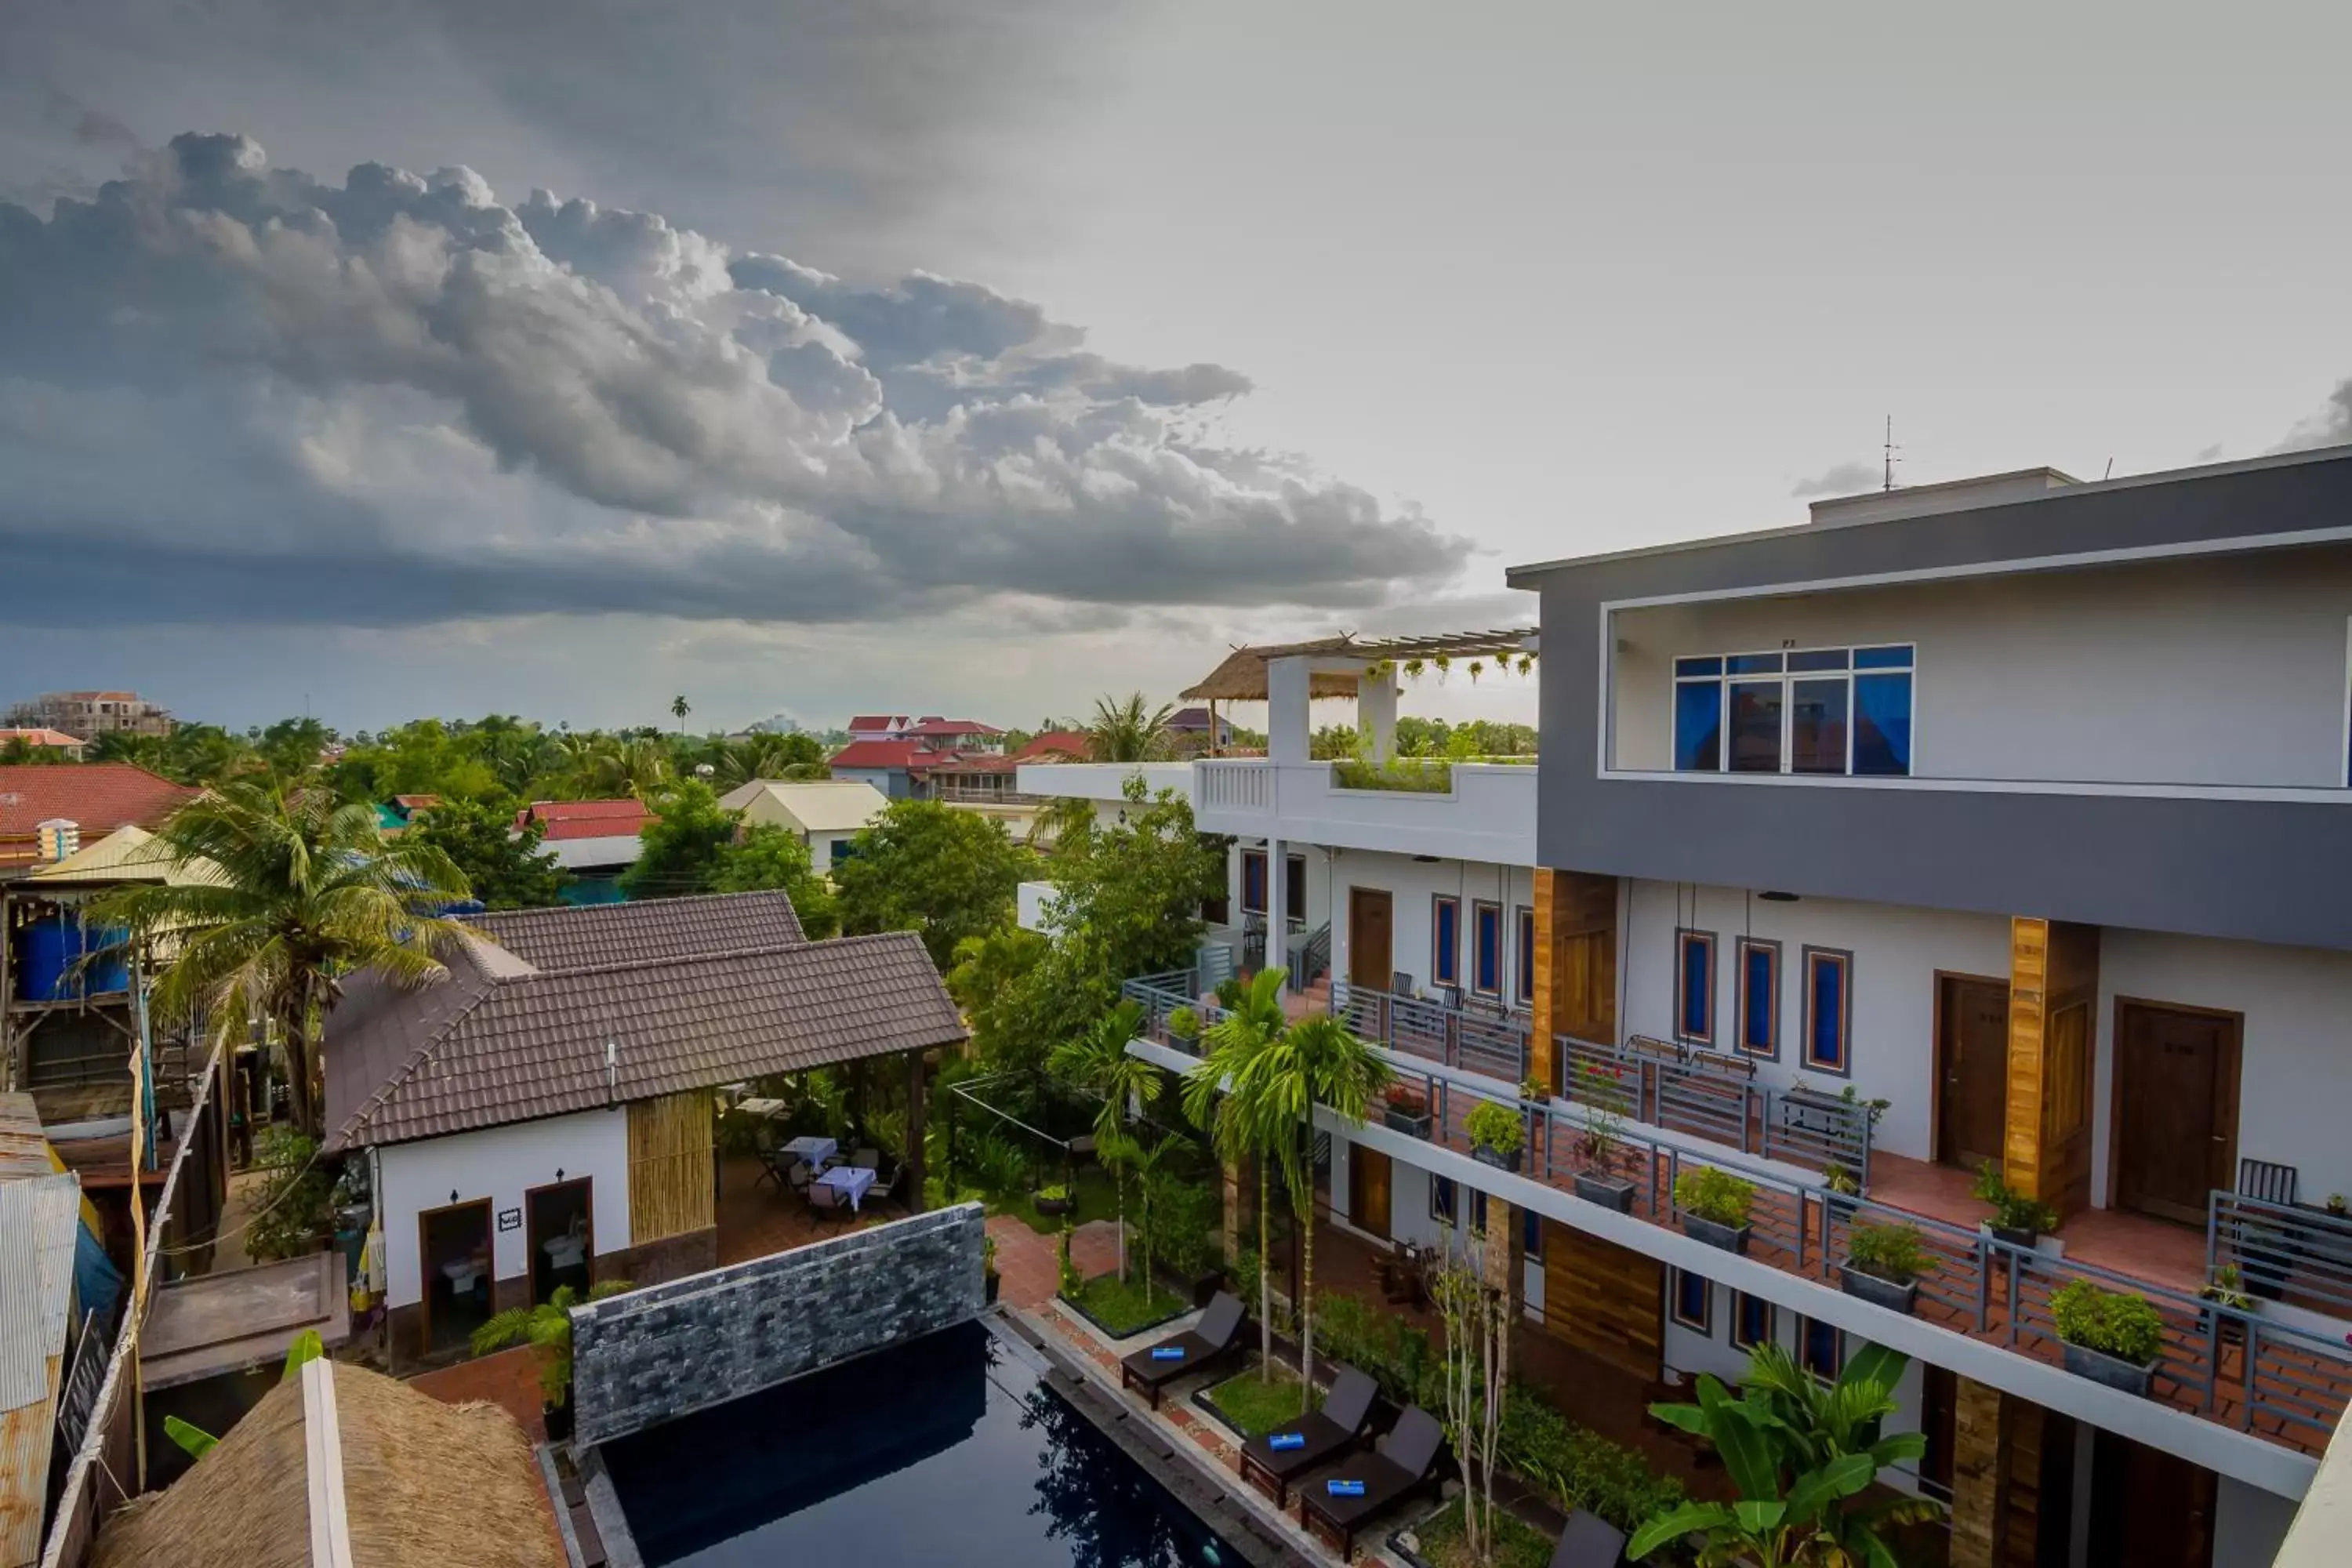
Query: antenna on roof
point(1890, 449)
point(2111, 470)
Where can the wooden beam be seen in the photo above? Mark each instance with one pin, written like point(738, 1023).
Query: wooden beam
point(2029, 977)
point(2053, 992)
point(1576, 965)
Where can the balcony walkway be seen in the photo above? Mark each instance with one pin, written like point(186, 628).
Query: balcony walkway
point(2171, 1256)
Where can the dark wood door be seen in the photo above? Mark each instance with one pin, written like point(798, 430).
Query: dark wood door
point(1367, 1190)
point(2176, 1108)
point(1607, 1301)
point(1972, 1057)
point(1371, 930)
point(2149, 1509)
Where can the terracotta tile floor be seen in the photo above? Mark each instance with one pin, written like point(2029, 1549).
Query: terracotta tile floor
point(1029, 1270)
point(2151, 1250)
point(508, 1380)
point(755, 1220)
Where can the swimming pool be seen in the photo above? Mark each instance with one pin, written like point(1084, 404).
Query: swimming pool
point(951, 1448)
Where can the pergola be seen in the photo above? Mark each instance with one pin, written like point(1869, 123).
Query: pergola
point(1335, 665)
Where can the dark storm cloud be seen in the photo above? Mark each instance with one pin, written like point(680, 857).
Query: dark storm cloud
point(395, 400)
point(1838, 480)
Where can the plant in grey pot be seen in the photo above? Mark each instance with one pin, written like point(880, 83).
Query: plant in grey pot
point(1715, 1206)
point(1052, 1199)
point(1496, 1134)
point(1185, 1029)
point(2112, 1337)
point(2226, 1291)
point(1601, 1091)
point(1883, 1265)
point(1405, 1109)
point(2016, 1218)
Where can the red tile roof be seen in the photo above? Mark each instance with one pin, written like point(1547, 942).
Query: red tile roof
point(947, 729)
point(877, 722)
point(885, 754)
point(99, 796)
point(1070, 744)
point(585, 818)
point(39, 737)
point(975, 763)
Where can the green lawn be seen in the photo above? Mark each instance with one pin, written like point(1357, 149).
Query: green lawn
point(1097, 1194)
point(1123, 1306)
point(1260, 1405)
point(1517, 1545)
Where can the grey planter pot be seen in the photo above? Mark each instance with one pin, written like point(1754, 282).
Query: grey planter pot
point(2025, 1238)
point(1870, 1288)
point(1496, 1158)
point(1726, 1236)
point(1409, 1123)
point(1608, 1191)
point(2106, 1369)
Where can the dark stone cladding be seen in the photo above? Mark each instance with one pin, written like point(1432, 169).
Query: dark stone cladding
point(660, 1352)
point(2256, 870)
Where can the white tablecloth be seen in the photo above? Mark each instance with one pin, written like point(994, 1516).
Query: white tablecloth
point(815, 1151)
point(850, 1181)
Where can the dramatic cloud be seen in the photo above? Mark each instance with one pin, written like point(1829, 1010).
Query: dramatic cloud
point(397, 401)
point(1838, 480)
point(2331, 426)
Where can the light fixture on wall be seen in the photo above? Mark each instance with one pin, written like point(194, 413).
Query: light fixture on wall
point(453, 1194)
point(559, 1173)
point(1772, 898)
point(1425, 859)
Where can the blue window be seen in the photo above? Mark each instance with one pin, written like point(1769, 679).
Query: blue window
point(1751, 1323)
point(1698, 726)
point(1760, 997)
point(1441, 1199)
point(1487, 957)
point(1817, 725)
point(1753, 664)
point(1445, 928)
point(1694, 986)
point(1820, 1349)
point(1818, 658)
point(843, 849)
point(1526, 989)
point(1254, 881)
point(1897, 656)
point(1531, 1235)
point(1881, 725)
point(1683, 666)
point(1829, 1009)
point(1754, 727)
point(1694, 1301)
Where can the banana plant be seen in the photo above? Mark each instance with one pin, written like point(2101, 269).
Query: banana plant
point(196, 1442)
point(1798, 1452)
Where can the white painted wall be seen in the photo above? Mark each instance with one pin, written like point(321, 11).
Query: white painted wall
point(1409, 1219)
point(1896, 953)
point(501, 1163)
point(2249, 1525)
point(1413, 886)
point(2226, 671)
point(2294, 1096)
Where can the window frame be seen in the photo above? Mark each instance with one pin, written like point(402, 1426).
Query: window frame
point(1255, 859)
point(1294, 866)
point(1481, 912)
point(1531, 1230)
point(1843, 958)
point(1523, 955)
point(1685, 936)
point(1805, 1326)
point(1705, 1322)
point(1741, 1301)
point(1444, 957)
point(1442, 1213)
point(1771, 949)
point(1725, 677)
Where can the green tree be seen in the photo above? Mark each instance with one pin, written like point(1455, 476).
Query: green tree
point(293, 892)
point(769, 856)
point(1800, 1455)
point(994, 982)
point(505, 868)
point(927, 867)
point(1229, 1102)
point(1318, 1061)
point(1128, 731)
point(1099, 1064)
point(683, 845)
point(678, 708)
point(740, 759)
point(292, 747)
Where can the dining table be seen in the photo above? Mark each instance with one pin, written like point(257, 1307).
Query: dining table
point(850, 1181)
point(811, 1150)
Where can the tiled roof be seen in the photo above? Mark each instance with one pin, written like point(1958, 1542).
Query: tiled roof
point(39, 737)
point(877, 722)
point(584, 818)
point(1053, 743)
point(99, 796)
point(950, 728)
point(495, 1042)
point(882, 754)
point(976, 762)
point(605, 935)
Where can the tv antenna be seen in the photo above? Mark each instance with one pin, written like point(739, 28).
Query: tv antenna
point(1889, 450)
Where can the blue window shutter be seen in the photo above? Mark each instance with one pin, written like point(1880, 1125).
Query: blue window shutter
point(1487, 964)
point(1526, 989)
point(1696, 952)
point(1758, 1009)
point(1448, 965)
point(1825, 1044)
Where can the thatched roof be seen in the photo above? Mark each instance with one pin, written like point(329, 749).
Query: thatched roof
point(1242, 677)
point(424, 1484)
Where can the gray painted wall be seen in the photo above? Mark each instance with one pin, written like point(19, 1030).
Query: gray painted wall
point(651, 1355)
point(2263, 871)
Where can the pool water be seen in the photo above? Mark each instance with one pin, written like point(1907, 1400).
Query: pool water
point(948, 1449)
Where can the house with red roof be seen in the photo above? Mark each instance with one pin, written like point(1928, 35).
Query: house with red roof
point(90, 800)
point(595, 840)
point(1055, 746)
point(44, 740)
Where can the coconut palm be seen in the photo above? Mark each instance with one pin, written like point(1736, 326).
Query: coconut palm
point(1126, 731)
point(288, 892)
point(678, 708)
point(1099, 1062)
point(1222, 1098)
point(1319, 1061)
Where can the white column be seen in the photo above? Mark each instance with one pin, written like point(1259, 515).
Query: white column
point(1277, 911)
point(1376, 713)
point(1287, 724)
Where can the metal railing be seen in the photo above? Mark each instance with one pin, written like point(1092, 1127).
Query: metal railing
point(1714, 1099)
point(2284, 1252)
point(1314, 957)
point(1474, 1042)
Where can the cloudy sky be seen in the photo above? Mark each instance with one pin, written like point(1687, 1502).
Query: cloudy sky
point(408, 356)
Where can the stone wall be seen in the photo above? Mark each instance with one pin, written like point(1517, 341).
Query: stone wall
point(654, 1354)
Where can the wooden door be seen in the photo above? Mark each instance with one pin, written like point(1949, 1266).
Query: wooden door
point(1367, 1190)
point(1371, 930)
point(2176, 1108)
point(1605, 1299)
point(1972, 1064)
point(462, 1227)
point(2149, 1509)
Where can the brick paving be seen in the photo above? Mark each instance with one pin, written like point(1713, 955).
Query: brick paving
point(508, 1380)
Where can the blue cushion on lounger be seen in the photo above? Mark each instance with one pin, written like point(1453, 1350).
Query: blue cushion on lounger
point(1344, 1489)
point(1168, 1352)
point(1286, 1440)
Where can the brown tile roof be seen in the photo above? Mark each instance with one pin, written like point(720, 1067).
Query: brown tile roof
point(498, 1041)
point(99, 796)
point(599, 934)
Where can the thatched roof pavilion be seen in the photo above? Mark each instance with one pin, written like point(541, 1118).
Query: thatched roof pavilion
point(1242, 677)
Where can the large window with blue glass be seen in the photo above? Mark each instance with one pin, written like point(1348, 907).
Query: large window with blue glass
point(1828, 1010)
point(1695, 986)
point(1834, 711)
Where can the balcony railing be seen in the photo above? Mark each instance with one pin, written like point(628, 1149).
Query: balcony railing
point(1716, 1097)
point(2290, 1253)
point(1493, 1044)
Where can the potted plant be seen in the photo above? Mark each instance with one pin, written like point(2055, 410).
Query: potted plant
point(2337, 1205)
point(2112, 1337)
point(1605, 1098)
point(1497, 1132)
point(2016, 1219)
point(1534, 1093)
point(547, 1326)
point(1052, 1199)
point(990, 1282)
point(1715, 1206)
point(1883, 1264)
point(1404, 1107)
point(1184, 1028)
point(2226, 1291)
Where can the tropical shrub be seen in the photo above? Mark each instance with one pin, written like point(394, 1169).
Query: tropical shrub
point(1497, 1127)
point(1579, 1468)
point(1716, 1197)
point(2115, 1323)
point(1890, 1252)
point(2011, 1210)
point(549, 1326)
point(296, 1202)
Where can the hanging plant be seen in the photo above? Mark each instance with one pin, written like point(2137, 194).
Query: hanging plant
point(1443, 664)
point(1413, 668)
point(1527, 664)
point(1475, 667)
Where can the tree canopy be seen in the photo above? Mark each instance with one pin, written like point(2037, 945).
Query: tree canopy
point(769, 856)
point(927, 867)
point(507, 869)
point(683, 845)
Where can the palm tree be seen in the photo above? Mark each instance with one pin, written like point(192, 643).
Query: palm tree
point(678, 708)
point(1323, 1062)
point(1219, 1096)
point(289, 893)
point(1099, 1062)
point(1124, 732)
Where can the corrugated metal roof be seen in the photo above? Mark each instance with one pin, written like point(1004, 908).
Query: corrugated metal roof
point(39, 1217)
point(129, 854)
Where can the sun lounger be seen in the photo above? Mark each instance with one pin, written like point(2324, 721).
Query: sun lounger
point(1589, 1542)
point(1216, 1337)
point(1404, 1463)
point(1328, 1433)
